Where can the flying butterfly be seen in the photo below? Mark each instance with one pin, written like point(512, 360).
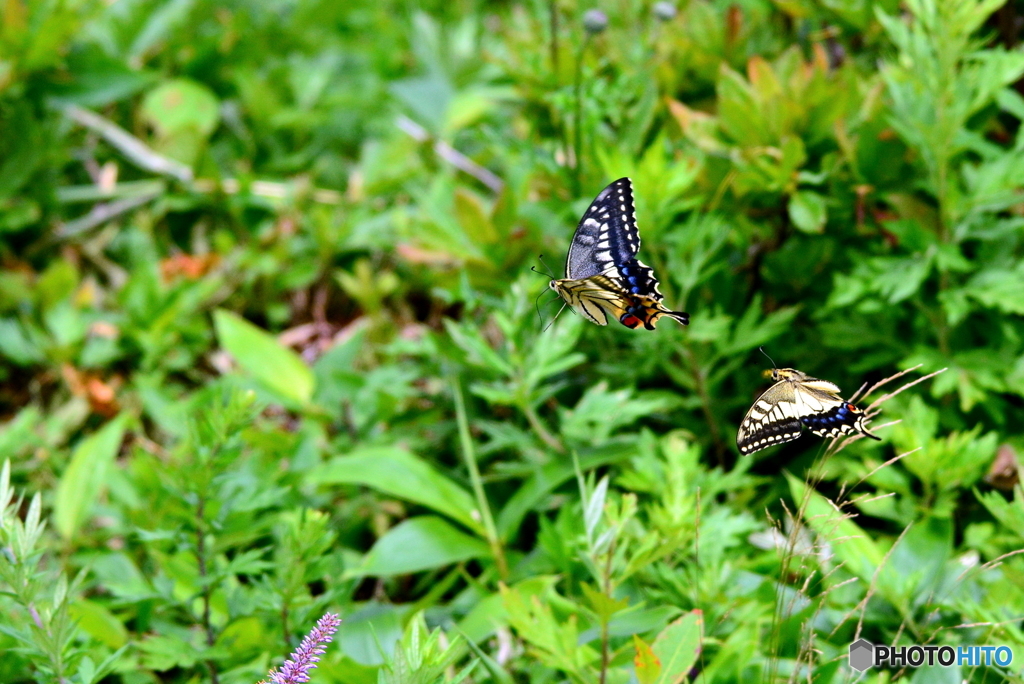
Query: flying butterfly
point(602, 274)
point(794, 402)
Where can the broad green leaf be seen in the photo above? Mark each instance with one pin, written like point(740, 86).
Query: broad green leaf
point(163, 653)
point(473, 218)
point(807, 211)
point(418, 544)
point(368, 633)
point(181, 104)
point(98, 622)
point(398, 473)
point(646, 664)
point(277, 368)
point(922, 554)
point(678, 646)
point(851, 544)
point(85, 476)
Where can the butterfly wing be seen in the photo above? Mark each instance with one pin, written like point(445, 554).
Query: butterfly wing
point(771, 420)
point(648, 310)
point(605, 245)
point(606, 236)
point(825, 413)
point(595, 297)
point(798, 400)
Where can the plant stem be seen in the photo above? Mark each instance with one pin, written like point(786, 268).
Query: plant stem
point(553, 27)
point(201, 562)
point(700, 384)
point(578, 144)
point(534, 420)
point(284, 626)
point(607, 588)
point(469, 454)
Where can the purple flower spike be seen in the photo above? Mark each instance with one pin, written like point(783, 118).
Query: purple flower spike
point(296, 669)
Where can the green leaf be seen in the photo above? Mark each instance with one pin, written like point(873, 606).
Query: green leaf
point(181, 104)
point(368, 634)
point(678, 646)
point(478, 351)
point(1000, 289)
point(16, 344)
point(807, 211)
point(852, 545)
point(85, 476)
point(604, 606)
point(398, 473)
point(418, 544)
point(646, 664)
point(1009, 514)
point(277, 368)
point(163, 653)
point(475, 221)
point(98, 622)
point(97, 79)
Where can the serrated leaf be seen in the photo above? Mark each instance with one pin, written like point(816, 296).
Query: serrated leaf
point(604, 606)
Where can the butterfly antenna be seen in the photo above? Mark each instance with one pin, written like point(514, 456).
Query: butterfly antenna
point(541, 257)
point(556, 317)
point(536, 305)
point(761, 349)
point(534, 268)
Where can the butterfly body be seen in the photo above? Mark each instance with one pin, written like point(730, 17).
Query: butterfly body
point(602, 274)
point(797, 401)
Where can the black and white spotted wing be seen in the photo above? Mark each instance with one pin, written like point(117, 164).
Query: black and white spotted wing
point(794, 402)
point(607, 240)
point(602, 269)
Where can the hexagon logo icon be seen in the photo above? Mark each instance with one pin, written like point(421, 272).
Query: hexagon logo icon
point(862, 655)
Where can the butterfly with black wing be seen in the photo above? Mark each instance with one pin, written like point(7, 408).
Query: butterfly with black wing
point(602, 274)
point(794, 402)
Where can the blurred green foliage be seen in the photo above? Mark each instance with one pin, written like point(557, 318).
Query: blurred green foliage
point(269, 344)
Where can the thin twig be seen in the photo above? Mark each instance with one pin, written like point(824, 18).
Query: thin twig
point(450, 154)
point(136, 151)
point(881, 383)
point(101, 213)
point(890, 395)
point(268, 189)
point(887, 463)
point(545, 435)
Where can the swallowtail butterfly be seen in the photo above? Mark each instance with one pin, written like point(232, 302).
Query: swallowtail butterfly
point(797, 401)
point(602, 274)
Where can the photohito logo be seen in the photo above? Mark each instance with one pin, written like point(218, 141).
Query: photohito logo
point(864, 654)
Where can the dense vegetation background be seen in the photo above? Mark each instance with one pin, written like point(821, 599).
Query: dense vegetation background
point(270, 346)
